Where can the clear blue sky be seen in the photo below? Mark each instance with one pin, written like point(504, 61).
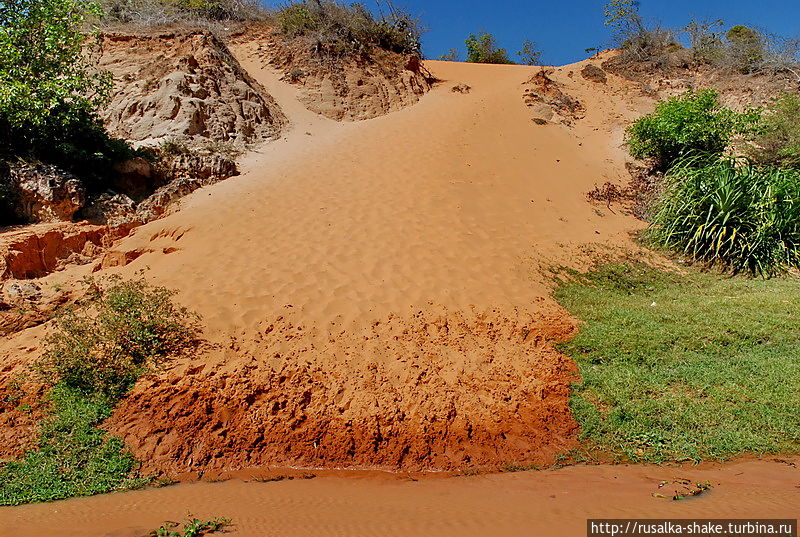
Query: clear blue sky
point(563, 29)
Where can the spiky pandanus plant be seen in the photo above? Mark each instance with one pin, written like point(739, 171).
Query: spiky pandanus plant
point(731, 212)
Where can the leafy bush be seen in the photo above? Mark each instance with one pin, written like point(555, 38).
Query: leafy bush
point(50, 90)
point(483, 49)
point(92, 360)
point(690, 123)
point(777, 138)
point(43, 70)
point(339, 28)
point(73, 456)
point(101, 350)
point(731, 212)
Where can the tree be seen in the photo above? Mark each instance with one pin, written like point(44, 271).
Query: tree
point(50, 90)
point(746, 48)
point(44, 71)
point(483, 49)
point(530, 53)
point(624, 19)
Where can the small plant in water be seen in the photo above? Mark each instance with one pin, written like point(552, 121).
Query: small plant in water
point(193, 527)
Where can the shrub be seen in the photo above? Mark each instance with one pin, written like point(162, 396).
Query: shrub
point(101, 350)
point(452, 55)
point(43, 70)
point(193, 527)
point(50, 90)
point(73, 457)
point(731, 212)
point(170, 11)
point(690, 123)
point(777, 139)
point(745, 48)
point(483, 49)
point(338, 28)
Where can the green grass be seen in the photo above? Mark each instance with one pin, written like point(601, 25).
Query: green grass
point(73, 456)
point(685, 367)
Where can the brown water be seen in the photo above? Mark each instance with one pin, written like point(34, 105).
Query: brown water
point(548, 503)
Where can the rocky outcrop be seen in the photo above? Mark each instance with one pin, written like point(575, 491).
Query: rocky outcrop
point(593, 73)
point(36, 250)
point(189, 172)
point(45, 193)
point(344, 89)
point(549, 103)
point(185, 85)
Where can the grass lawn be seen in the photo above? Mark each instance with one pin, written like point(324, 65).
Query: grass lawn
point(685, 367)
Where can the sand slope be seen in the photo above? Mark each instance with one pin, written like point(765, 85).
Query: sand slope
point(376, 294)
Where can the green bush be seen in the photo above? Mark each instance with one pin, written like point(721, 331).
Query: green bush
point(94, 357)
point(483, 49)
point(101, 350)
point(339, 28)
point(777, 139)
point(731, 212)
point(50, 89)
point(43, 68)
point(690, 123)
point(746, 48)
point(73, 457)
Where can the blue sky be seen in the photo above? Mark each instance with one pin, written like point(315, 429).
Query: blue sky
point(564, 29)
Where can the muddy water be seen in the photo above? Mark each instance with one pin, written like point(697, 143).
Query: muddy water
point(548, 503)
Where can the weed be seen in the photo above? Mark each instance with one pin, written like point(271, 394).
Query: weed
point(192, 527)
point(73, 456)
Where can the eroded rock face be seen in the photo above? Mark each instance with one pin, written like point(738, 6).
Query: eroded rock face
point(45, 193)
point(184, 85)
point(37, 250)
point(349, 89)
point(549, 103)
point(110, 208)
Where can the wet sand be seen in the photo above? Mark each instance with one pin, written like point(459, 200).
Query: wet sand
point(553, 503)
